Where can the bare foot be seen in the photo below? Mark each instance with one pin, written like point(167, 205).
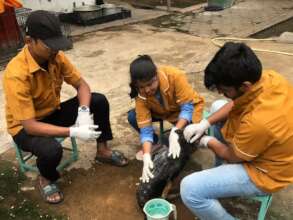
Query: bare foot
point(103, 150)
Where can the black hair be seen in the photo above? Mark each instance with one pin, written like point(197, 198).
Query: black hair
point(141, 69)
point(232, 65)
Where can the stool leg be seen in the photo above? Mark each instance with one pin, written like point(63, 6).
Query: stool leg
point(265, 204)
point(161, 131)
point(19, 159)
point(73, 155)
point(74, 149)
point(22, 161)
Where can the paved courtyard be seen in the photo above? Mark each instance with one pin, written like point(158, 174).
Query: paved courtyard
point(103, 57)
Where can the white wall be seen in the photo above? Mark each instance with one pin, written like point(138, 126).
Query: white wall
point(56, 5)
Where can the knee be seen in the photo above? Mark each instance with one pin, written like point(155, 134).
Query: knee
point(131, 117)
point(190, 191)
point(55, 152)
point(99, 99)
point(185, 189)
point(216, 105)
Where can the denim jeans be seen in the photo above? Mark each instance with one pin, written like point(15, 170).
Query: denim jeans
point(132, 121)
point(200, 190)
point(216, 132)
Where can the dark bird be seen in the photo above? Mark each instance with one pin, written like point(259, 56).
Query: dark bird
point(166, 169)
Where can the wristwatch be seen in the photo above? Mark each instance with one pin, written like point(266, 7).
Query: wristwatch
point(83, 108)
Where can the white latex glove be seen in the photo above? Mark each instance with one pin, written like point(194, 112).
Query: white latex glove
point(146, 170)
point(203, 143)
point(85, 132)
point(194, 131)
point(84, 117)
point(174, 146)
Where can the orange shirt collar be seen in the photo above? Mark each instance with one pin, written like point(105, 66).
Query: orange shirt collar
point(32, 64)
point(249, 96)
point(164, 82)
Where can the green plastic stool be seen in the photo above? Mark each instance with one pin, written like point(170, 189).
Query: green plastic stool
point(161, 131)
point(24, 166)
point(265, 204)
point(206, 114)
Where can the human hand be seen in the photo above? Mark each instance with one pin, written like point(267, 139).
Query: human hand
point(84, 117)
point(174, 146)
point(194, 131)
point(85, 132)
point(203, 142)
point(146, 170)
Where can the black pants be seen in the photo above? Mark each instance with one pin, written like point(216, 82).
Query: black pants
point(47, 150)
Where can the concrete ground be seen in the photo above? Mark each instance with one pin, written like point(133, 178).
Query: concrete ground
point(101, 191)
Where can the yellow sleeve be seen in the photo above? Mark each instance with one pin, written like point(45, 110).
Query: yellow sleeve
point(1, 6)
point(197, 115)
point(13, 3)
point(186, 94)
point(18, 98)
point(71, 75)
point(143, 113)
point(10, 3)
point(250, 140)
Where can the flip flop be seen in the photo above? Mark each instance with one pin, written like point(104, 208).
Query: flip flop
point(49, 190)
point(117, 159)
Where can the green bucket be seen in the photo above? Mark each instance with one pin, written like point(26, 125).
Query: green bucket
point(159, 209)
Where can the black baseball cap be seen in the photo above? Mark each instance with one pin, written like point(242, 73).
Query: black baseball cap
point(46, 26)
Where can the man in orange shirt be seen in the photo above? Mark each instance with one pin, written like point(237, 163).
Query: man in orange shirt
point(32, 85)
point(256, 139)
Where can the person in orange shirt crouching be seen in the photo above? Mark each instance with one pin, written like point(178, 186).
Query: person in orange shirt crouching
point(161, 93)
point(256, 137)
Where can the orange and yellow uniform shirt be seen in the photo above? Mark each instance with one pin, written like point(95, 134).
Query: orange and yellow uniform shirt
point(33, 92)
point(260, 129)
point(175, 91)
point(9, 3)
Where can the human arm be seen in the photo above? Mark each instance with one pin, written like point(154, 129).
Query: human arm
point(185, 116)
point(221, 114)
point(83, 92)
point(84, 96)
point(194, 131)
point(144, 121)
point(220, 149)
point(249, 141)
point(147, 143)
point(36, 128)
point(73, 77)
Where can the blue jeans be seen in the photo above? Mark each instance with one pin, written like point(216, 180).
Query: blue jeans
point(132, 121)
point(216, 132)
point(200, 190)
